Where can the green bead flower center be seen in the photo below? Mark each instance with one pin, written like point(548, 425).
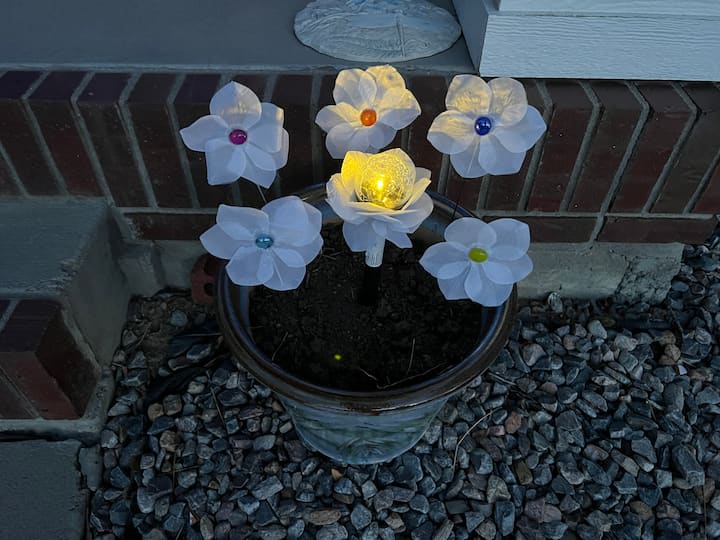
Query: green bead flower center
point(477, 255)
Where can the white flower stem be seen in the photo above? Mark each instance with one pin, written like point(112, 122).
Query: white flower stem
point(262, 194)
point(374, 255)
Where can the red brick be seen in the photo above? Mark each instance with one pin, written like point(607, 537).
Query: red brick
point(202, 279)
point(661, 132)
point(709, 201)
point(292, 93)
point(697, 153)
point(18, 139)
point(430, 91)
point(569, 122)
point(50, 103)
point(464, 191)
point(620, 114)
point(559, 229)
point(192, 102)
point(13, 405)
point(157, 226)
point(98, 105)
point(504, 191)
point(657, 230)
point(154, 131)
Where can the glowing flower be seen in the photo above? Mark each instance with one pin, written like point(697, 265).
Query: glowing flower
point(271, 246)
point(487, 128)
point(379, 196)
point(241, 137)
point(370, 107)
point(480, 261)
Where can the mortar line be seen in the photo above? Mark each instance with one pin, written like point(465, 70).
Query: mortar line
point(13, 171)
point(37, 133)
point(586, 215)
point(680, 143)
point(179, 145)
point(534, 164)
point(127, 121)
point(588, 138)
point(8, 312)
point(164, 210)
point(622, 166)
point(86, 139)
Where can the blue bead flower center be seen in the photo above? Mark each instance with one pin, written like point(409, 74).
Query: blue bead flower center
point(264, 241)
point(483, 125)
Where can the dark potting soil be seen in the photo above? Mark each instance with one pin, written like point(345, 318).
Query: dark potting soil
point(320, 333)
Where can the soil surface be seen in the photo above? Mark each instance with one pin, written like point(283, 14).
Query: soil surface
point(320, 333)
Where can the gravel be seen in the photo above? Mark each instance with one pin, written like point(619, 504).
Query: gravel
point(598, 419)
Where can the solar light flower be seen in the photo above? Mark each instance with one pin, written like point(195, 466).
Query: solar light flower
point(370, 107)
point(241, 137)
point(480, 261)
point(487, 128)
point(271, 246)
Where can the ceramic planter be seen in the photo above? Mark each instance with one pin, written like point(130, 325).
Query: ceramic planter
point(362, 427)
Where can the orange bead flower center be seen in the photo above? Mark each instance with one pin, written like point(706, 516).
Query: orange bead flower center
point(368, 117)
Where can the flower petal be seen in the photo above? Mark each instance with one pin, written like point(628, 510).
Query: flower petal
point(509, 100)
point(355, 87)
point(218, 243)
point(400, 239)
point(266, 135)
point(523, 135)
point(454, 289)
point(289, 256)
point(204, 129)
point(292, 221)
point(483, 291)
point(225, 162)
point(237, 105)
point(380, 135)
point(259, 176)
point(332, 115)
point(338, 140)
point(470, 232)
point(259, 156)
point(444, 260)
point(507, 272)
point(466, 163)
point(469, 94)
point(386, 78)
point(360, 236)
point(340, 193)
point(452, 132)
point(285, 278)
point(250, 266)
point(513, 239)
point(398, 108)
point(242, 222)
point(309, 251)
point(495, 159)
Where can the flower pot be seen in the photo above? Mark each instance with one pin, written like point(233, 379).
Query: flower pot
point(362, 427)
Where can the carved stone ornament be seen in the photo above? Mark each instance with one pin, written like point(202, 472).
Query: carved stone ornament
point(376, 30)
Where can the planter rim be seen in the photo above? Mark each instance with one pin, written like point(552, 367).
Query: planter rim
point(230, 315)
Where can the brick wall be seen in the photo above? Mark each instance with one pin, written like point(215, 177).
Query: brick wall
point(621, 161)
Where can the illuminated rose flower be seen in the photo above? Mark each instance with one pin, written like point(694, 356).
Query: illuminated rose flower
point(271, 246)
point(480, 261)
point(241, 137)
point(487, 128)
point(370, 107)
point(379, 196)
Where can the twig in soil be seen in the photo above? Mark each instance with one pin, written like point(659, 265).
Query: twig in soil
point(412, 355)
point(215, 400)
point(469, 430)
point(272, 358)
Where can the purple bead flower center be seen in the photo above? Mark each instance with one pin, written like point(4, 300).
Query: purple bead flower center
point(238, 136)
point(483, 125)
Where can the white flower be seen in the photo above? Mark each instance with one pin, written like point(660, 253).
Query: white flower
point(480, 261)
point(271, 246)
point(371, 106)
point(379, 196)
point(241, 137)
point(487, 128)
